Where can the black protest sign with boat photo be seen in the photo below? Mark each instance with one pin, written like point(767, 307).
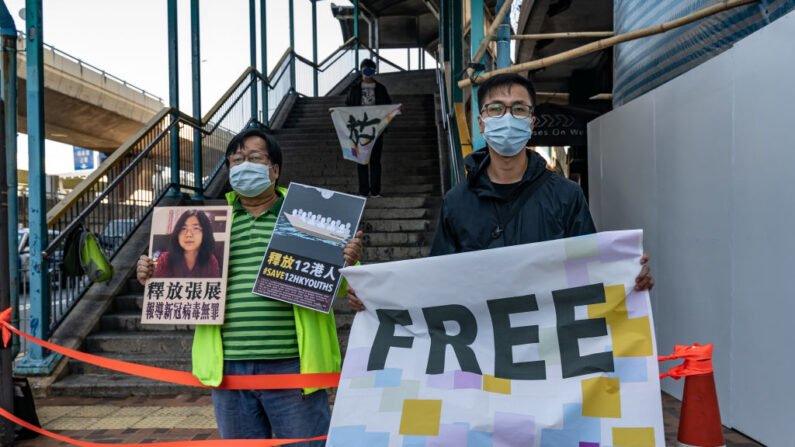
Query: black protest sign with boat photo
point(301, 265)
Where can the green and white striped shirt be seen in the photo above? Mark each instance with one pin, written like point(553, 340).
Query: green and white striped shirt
point(254, 327)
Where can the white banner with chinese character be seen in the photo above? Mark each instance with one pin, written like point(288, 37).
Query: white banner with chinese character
point(542, 344)
point(190, 249)
point(359, 127)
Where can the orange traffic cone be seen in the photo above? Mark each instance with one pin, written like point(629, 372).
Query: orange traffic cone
point(699, 419)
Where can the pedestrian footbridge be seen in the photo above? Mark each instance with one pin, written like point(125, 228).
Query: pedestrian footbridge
point(84, 105)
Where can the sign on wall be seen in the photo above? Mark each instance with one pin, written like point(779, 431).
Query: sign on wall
point(542, 344)
point(84, 158)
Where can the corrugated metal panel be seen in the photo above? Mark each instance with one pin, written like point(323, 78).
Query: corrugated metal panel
point(644, 64)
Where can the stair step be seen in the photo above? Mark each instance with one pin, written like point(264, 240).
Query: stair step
point(396, 225)
point(399, 213)
point(386, 177)
point(140, 342)
point(304, 165)
point(133, 286)
point(398, 190)
point(403, 202)
point(167, 362)
point(408, 175)
point(113, 386)
point(131, 321)
point(389, 254)
point(375, 239)
point(130, 302)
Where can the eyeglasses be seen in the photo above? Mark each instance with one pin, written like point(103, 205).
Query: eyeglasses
point(194, 229)
point(498, 109)
point(256, 157)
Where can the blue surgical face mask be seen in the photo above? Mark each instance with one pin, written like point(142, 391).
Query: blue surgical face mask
point(250, 179)
point(507, 134)
point(369, 72)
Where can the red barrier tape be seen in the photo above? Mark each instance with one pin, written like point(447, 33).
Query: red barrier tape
point(698, 360)
point(253, 382)
point(205, 443)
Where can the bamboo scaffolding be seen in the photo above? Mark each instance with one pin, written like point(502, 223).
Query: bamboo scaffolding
point(506, 7)
point(602, 97)
point(553, 95)
point(570, 35)
point(609, 42)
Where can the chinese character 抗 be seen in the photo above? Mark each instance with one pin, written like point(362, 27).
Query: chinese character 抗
point(357, 129)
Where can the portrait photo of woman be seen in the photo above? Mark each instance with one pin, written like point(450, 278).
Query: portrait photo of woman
point(190, 252)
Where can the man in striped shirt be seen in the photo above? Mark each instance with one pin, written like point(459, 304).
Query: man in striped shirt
point(260, 335)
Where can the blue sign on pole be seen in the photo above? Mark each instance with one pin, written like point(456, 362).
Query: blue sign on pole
point(84, 158)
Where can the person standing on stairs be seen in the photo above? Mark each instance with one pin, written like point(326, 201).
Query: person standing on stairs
point(366, 91)
point(260, 335)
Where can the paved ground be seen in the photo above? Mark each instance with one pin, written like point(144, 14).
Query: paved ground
point(185, 418)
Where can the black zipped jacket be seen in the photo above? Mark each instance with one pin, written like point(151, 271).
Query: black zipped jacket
point(469, 211)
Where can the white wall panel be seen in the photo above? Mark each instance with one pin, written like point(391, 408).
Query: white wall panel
point(764, 234)
point(704, 165)
point(693, 143)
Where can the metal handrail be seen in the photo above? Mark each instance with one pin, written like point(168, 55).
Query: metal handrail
point(455, 153)
point(61, 207)
point(181, 118)
point(116, 180)
point(279, 64)
point(381, 58)
point(245, 77)
point(348, 43)
point(22, 36)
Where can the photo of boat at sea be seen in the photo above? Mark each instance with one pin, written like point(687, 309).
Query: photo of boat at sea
point(302, 263)
point(325, 228)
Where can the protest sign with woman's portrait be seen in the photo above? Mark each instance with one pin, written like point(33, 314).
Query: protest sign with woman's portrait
point(191, 247)
point(189, 255)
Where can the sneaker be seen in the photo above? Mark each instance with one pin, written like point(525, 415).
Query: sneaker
point(376, 196)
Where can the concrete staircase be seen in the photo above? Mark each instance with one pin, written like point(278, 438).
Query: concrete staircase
point(399, 225)
point(120, 335)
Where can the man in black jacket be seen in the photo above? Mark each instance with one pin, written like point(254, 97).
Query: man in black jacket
point(509, 197)
point(369, 92)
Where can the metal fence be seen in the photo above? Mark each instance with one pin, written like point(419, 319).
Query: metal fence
point(119, 195)
point(335, 68)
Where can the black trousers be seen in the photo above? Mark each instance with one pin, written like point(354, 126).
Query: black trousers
point(370, 174)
